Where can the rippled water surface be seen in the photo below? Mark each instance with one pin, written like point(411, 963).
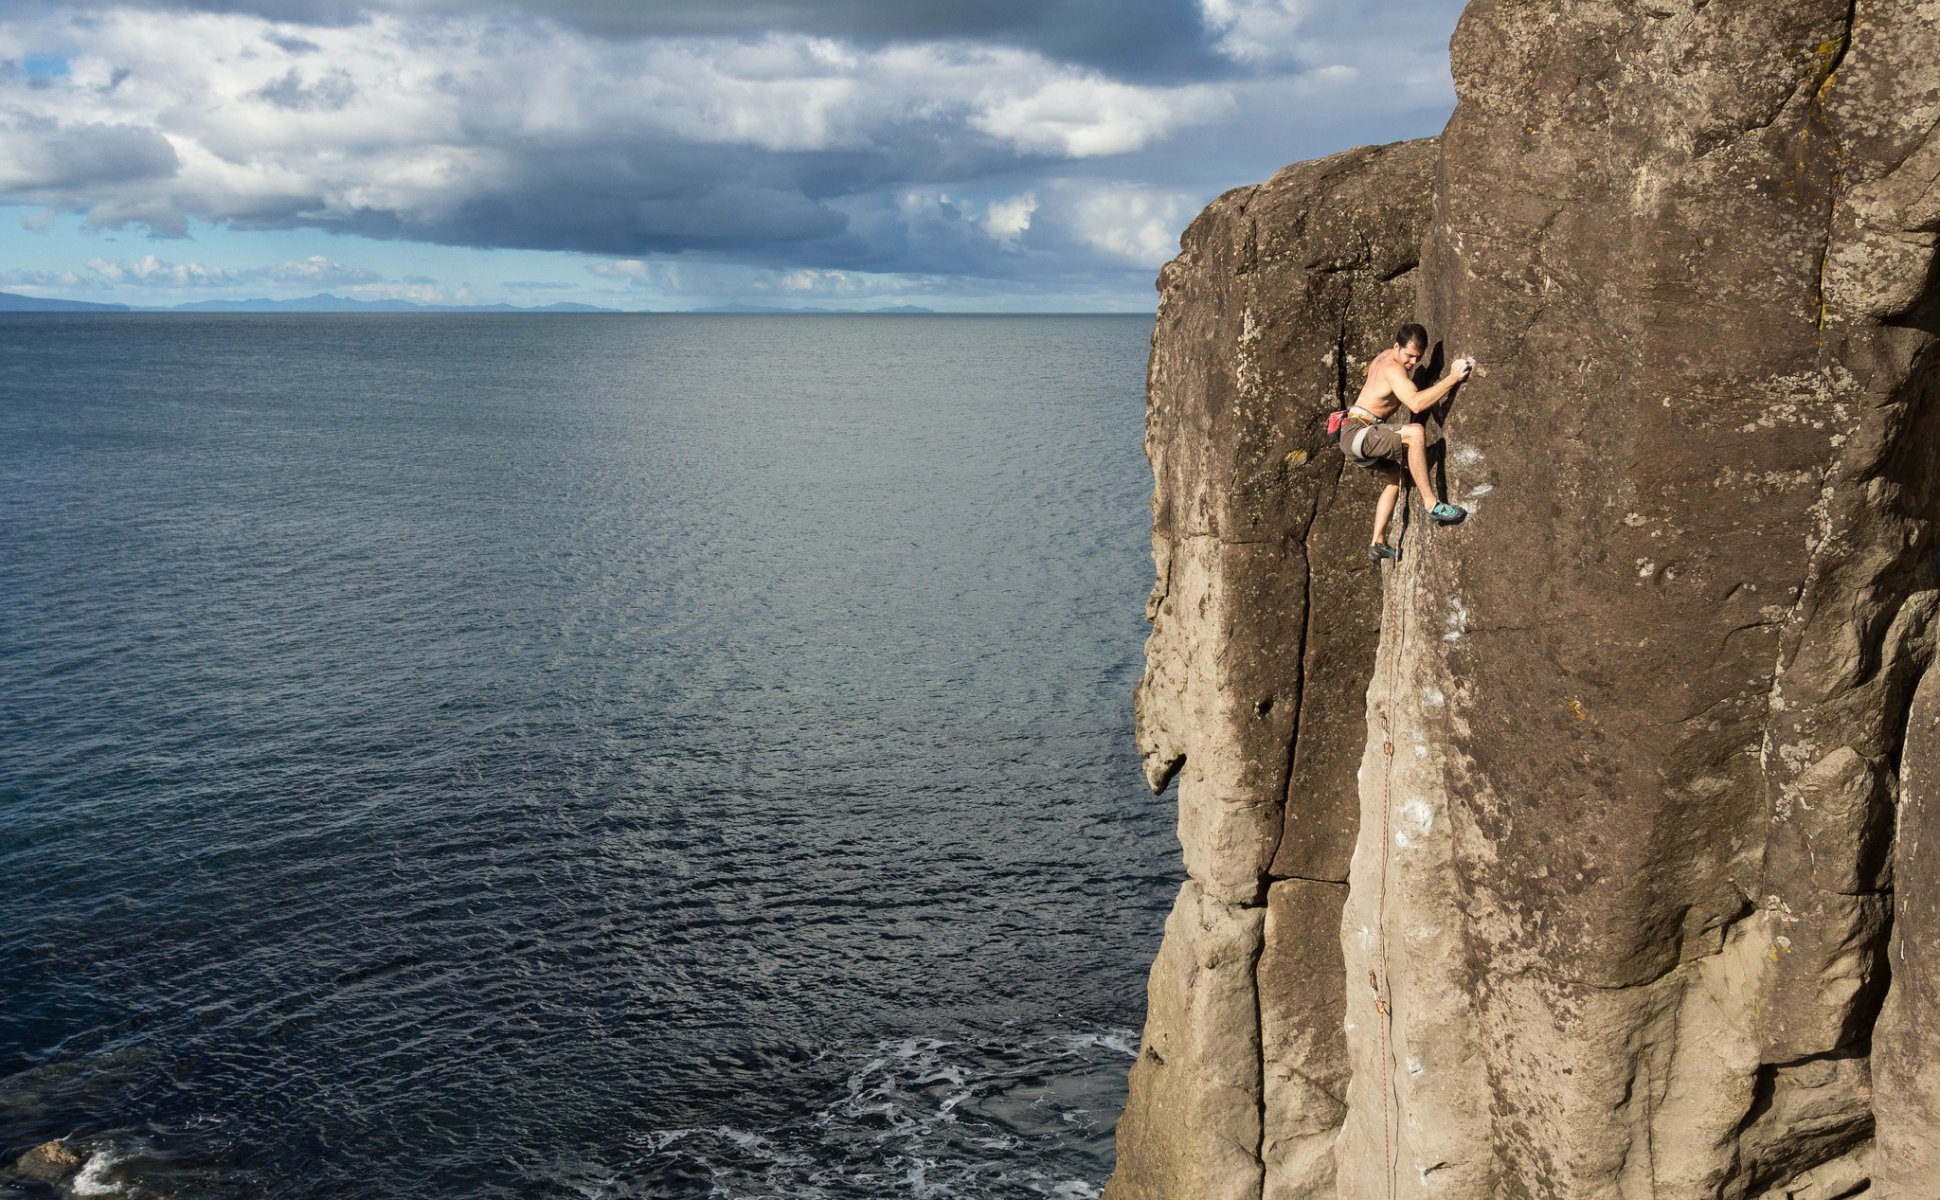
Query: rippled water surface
point(581, 756)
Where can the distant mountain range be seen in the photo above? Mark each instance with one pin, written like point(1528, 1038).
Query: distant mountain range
point(324, 302)
point(764, 308)
point(9, 302)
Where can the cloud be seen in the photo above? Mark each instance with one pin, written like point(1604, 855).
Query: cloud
point(817, 283)
point(1006, 141)
point(318, 271)
point(481, 132)
point(1081, 118)
point(632, 271)
point(1132, 223)
point(1256, 30)
point(331, 91)
point(1136, 38)
point(1008, 220)
point(41, 153)
point(153, 272)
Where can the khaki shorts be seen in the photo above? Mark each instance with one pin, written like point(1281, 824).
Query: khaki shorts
point(1382, 443)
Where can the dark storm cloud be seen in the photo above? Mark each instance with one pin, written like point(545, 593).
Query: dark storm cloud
point(731, 204)
point(1144, 39)
point(660, 199)
point(54, 157)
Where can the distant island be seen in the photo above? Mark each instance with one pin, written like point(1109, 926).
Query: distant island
point(325, 302)
point(737, 309)
point(9, 302)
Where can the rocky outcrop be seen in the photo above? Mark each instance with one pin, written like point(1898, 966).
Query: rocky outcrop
point(1265, 621)
point(49, 1162)
point(1641, 883)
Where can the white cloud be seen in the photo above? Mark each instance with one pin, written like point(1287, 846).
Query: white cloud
point(318, 271)
point(821, 283)
point(230, 117)
point(1082, 118)
point(150, 271)
point(1256, 31)
point(632, 271)
point(941, 159)
point(1136, 224)
point(1007, 220)
point(153, 272)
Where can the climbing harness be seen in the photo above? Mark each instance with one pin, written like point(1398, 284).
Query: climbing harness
point(1348, 427)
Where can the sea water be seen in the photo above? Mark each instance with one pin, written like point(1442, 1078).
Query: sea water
point(649, 756)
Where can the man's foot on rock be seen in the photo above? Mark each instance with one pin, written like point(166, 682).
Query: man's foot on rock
point(1379, 551)
point(1445, 513)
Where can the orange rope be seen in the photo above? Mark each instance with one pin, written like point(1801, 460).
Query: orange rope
point(1383, 1005)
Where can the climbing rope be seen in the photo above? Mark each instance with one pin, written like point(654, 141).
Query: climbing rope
point(1383, 1002)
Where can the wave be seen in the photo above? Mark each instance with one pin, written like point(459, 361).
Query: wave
point(923, 1117)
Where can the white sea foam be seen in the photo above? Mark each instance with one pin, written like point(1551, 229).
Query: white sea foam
point(93, 1179)
point(1119, 1041)
point(921, 1117)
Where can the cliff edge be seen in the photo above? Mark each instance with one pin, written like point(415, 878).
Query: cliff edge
point(1580, 854)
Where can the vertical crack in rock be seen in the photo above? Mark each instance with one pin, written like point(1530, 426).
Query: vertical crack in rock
point(1257, 667)
point(1834, 55)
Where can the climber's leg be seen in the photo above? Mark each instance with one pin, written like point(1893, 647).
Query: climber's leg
point(1416, 439)
point(1384, 507)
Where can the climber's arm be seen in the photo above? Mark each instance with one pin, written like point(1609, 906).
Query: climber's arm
point(1421, 400)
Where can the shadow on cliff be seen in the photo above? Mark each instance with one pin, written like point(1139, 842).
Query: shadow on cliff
point(1430, 370)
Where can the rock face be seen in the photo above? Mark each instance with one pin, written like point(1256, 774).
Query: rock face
point(1265, 621)
point(1642, 894)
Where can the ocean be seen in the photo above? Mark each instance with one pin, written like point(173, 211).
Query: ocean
point(581, 756)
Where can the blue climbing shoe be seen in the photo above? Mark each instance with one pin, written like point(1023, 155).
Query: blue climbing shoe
point(1445, 513)
point(1379, 551)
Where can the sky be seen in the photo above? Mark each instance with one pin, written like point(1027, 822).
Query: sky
point(963, 155)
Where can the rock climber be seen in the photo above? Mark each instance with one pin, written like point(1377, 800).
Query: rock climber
point(1366, 437)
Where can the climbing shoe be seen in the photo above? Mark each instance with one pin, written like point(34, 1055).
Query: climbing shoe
point(1445, 513)
point(1379, 551)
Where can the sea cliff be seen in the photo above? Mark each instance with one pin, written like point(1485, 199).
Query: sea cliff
point(1580, 853)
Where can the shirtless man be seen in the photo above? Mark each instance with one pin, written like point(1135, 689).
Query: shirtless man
point(1366, 438)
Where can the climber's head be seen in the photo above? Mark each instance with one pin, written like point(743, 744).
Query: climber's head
point(1410, 343)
